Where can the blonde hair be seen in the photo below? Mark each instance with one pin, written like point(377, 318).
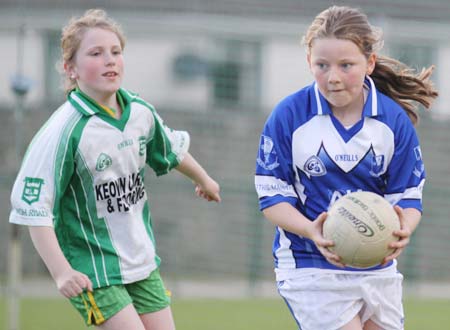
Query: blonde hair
point(391, 77)
point(72, 35)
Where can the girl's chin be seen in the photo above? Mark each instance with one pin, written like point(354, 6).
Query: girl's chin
point(338, 103)
point(111, 90)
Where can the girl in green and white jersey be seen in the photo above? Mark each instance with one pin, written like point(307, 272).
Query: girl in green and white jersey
point(81, 191)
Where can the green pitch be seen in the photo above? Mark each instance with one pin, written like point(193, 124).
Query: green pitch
point(247, 314)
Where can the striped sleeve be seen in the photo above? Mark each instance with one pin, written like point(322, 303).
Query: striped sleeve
point(274, 180)
point(166, 147)
point(38, 183)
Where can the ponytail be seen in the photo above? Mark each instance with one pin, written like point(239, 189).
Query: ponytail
point(404, 86)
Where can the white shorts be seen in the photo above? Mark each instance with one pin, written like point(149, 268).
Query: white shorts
point(329, 300)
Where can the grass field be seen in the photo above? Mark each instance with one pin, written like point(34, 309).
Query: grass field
point(209, 314)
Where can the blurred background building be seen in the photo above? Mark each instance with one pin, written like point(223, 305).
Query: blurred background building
point(216, 69)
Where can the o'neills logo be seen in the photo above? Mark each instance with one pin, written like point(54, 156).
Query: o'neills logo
point(360, 226)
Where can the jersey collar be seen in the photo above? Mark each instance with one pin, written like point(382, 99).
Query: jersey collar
point(89, 107)
point(371, 108)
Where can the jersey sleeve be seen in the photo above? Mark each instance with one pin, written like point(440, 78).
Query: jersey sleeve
point(274, 179)
point(166, 147)
point(45, 170)
point(406, 172)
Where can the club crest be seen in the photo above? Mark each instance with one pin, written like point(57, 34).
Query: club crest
point(103, 162)
point(314, 166)
point(377, 165)
point(32, 190)
point(142, 145)
point(267, 156)
point(420, 167)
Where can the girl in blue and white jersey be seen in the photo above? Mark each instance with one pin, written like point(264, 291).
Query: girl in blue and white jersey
point(351, 129)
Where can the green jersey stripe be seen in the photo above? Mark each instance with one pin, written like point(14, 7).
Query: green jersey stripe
point(85, 236)
point(146, 216)
point(91, 209)
point(61, 172)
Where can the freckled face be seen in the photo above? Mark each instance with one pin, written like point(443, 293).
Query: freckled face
point(98, 64)
point(339, 68)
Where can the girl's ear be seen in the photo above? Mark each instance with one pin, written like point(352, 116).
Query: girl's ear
point(70, 71)
point(308, 59)
point(371, 61)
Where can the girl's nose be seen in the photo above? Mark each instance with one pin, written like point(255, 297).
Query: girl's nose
point(333, 76)
point(109, 59)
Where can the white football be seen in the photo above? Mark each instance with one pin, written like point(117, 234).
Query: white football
point(361, 225)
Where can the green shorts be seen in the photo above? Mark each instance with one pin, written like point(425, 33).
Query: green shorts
point(147, 296)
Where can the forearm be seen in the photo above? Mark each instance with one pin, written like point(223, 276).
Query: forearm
point(192, 169)
point(289, 218)
point(412, 217)
point(46, 244)
point(206, 187)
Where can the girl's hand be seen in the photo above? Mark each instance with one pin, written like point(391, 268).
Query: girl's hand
point(403, 234)
point(209, 190)
point(71, 283)
point(316, 234)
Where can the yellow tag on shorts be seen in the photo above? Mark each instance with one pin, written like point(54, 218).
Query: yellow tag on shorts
point(147, 296)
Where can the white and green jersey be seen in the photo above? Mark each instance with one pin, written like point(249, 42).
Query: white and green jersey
point(83, 174)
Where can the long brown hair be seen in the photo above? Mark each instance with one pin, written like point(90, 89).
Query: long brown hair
point(392, 77)
point(73, 33)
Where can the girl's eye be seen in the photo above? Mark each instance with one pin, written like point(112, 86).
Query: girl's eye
point(95, 53)
point(322, 66)
point(346, 65)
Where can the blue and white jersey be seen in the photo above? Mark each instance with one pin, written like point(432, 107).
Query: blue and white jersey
point(307, 158)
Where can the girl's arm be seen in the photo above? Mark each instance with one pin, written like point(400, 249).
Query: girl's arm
point(206, 187)
point(287, 217)
point(68, 281)
point(409, 220)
